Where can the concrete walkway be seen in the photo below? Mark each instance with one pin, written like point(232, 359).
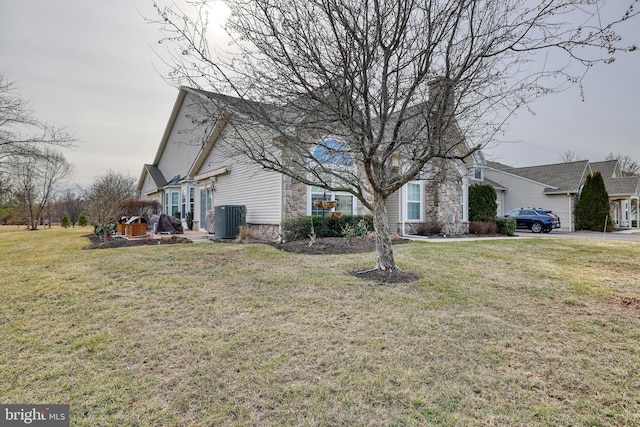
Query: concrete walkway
point(630, 235)
point(622, 235)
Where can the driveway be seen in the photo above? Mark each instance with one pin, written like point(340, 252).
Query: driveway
point(623, 236)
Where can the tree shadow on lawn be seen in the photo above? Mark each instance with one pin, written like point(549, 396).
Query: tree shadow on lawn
point(322, 246)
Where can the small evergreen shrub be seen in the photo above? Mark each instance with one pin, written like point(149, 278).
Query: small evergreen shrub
point(505, 226)
point(593, 206)
point(429, 228)
point(83, 221)
point(482, 227)
point(300, 228)
point(351, 230)
point(99, 229)
point(189, 220)
point(482, 203)
point(65, 222)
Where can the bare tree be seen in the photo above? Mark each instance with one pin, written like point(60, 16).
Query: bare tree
point(5, 194)
point(21, 134)
point(105, 200)
point(35, 179)
point(571, 156)
point(399, 83)
point(71, 204)
point(628, 166)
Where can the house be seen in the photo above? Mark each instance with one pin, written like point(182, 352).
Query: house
point(557, 187)
point(623, 191)
point(194, 170)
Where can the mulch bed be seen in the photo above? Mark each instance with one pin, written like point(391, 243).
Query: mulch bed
point(120, 242)
point(322, 246)
point(332, 246)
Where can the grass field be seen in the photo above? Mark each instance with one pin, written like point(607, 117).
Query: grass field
point(513, 332)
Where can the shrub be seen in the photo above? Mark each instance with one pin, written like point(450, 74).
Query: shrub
point(82, 221)
point(99, 230)
point(429, 228)
point(482, 203)
point(351, 230)
point(505, 226)
point(593, 206)
point(482, 227)
point(300, 228)
point(189, 220)
point(65, 222)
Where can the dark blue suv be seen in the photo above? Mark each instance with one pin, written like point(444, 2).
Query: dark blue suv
point(535, 219)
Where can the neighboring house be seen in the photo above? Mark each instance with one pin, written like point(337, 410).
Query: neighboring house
point(623, 191)
point(194, 172)
point(555, 187)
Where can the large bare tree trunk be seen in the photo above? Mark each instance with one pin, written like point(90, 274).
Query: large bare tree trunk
point(384, 251)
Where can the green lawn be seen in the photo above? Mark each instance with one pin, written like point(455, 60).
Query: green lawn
point(513, 332)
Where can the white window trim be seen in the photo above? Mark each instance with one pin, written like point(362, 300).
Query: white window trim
point(331, 195)
point(405, 198)
point(169, 192)
point(477, 164)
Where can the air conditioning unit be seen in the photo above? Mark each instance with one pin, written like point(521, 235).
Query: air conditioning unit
point(228, 220)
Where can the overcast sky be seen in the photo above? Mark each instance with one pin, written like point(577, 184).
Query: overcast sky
point(88, 65)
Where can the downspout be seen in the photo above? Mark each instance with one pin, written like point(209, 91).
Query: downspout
point(570, 212)
point(400, 212)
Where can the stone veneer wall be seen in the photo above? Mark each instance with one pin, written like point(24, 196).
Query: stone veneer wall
point(295, 198)
point(444, 198)
point(265, 231)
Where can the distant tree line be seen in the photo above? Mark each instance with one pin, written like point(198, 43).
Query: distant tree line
point(31, 164)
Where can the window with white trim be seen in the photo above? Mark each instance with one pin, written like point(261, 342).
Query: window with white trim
point(172, 202)
point(477, 167)
point(333, 155)
point(346, 203)
point(413, 199)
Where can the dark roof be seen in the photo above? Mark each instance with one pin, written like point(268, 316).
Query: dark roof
point(158, 178)
point(557, 177)
point(622, 186)
point(607, 168)
point(493, 184)
point(498, 166)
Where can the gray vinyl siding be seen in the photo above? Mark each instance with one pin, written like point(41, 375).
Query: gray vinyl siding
point(245, 183)
point(525, 193)
point(393, 211)
point(184, 142)
point(147, 187)
point(257, 189)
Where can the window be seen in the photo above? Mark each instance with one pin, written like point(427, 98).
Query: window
point(172, 202)
point(206, 202)
point(477, 167)
point(332, 153)
point(345, 201)
point(183, 212)
point(414, 201)
point(477, 173)
point(192, 199)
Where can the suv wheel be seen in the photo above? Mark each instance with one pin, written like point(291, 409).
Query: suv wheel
point(536, 227)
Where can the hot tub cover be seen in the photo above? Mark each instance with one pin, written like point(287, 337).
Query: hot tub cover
point(167, 224)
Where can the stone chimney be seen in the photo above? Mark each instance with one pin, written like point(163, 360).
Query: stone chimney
point(441, 94)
